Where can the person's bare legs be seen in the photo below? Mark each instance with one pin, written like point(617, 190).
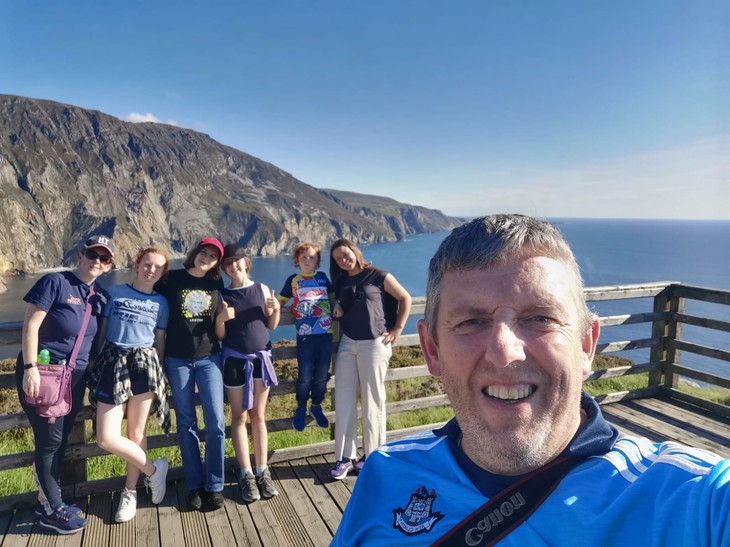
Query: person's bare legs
point(138, 410)
point(259, 432)
point(239, 434)
point(109, 437)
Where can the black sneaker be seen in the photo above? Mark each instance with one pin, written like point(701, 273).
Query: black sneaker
point(214, 500)
point(195, 502)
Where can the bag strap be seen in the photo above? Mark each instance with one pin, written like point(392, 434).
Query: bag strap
point(370, 276)
point(495, 519)
point(82, 331)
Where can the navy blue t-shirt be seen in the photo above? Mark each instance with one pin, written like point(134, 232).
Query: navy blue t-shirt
point(248, 331)
point(63, 297)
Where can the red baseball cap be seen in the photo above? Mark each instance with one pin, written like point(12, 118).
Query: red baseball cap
point(212, 242)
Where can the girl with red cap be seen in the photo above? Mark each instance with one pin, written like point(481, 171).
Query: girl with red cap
point(192, 357)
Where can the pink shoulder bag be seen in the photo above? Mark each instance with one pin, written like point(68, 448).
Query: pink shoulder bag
point(54, 394)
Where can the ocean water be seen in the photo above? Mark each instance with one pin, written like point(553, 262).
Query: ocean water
point(609, 252)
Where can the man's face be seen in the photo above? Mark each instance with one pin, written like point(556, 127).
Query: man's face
point(512, 350)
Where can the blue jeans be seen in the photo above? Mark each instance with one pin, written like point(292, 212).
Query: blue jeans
point(207, 374)
point(313, 360)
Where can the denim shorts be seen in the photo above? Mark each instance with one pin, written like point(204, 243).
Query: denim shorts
point(233, 375)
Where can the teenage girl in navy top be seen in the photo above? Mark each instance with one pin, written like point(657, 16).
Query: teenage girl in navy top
point(247, 311)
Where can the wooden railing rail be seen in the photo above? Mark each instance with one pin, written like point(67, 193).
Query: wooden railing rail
point(666, 315)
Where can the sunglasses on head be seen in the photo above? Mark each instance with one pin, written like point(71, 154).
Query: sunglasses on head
point(91, 254)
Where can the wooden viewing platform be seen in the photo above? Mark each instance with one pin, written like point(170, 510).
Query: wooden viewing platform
point(310, 505)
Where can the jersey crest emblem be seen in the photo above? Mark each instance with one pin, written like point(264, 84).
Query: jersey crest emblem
point(418, 516)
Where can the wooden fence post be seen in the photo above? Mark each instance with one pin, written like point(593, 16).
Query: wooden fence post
point(73, 470)
point(658, 352)
point(666, 328)
point(673, 332)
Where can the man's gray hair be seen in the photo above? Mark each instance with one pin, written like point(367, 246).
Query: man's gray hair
point(490, 240)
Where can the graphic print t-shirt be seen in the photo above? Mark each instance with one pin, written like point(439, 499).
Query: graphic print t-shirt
point(132, 316)
point(193, 301)
point(311, 304)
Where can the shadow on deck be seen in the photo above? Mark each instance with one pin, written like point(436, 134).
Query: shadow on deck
point(306, 512)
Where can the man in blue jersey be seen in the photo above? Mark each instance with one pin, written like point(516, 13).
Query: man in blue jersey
point(529, 459)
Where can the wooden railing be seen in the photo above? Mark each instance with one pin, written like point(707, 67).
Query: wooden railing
point(667, 319)
point(664, 316)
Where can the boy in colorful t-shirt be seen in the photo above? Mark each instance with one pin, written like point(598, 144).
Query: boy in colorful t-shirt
point(310, 292)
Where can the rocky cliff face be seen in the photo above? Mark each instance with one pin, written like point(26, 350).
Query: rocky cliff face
point(67, 172)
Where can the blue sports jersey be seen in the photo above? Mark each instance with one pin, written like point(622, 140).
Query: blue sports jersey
point(413, 491)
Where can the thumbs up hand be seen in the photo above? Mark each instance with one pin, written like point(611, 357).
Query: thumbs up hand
point(225, 312)
point(272, 304)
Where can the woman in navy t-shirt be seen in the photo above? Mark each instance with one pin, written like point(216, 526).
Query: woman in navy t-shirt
point(53, 319)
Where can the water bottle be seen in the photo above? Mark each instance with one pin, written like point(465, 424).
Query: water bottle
point(44, 357)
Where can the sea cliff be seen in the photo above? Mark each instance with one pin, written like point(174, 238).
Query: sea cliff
point(67, 172)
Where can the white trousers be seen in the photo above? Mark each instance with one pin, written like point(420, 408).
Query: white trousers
point(360, 365)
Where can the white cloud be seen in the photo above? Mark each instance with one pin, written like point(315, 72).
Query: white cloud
point(135, 117)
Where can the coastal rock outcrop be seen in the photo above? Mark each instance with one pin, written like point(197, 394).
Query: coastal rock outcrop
point(67, 172)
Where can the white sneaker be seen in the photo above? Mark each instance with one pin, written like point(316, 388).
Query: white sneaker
point(127, 506)
point(157, 482)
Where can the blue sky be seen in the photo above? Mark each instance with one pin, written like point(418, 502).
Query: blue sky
point(554, 109)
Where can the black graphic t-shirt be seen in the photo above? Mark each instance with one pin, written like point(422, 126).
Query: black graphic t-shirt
point(193, 301)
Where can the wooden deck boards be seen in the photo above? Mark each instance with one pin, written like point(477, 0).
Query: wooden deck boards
point(310, 505)
point(660, 420)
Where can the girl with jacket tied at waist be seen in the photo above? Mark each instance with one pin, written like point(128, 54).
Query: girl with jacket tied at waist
point(246, 313)
point(128, 377)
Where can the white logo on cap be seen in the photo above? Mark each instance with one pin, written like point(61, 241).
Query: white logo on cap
point(103, 240)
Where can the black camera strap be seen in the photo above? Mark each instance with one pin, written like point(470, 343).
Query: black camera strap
point(502, 513)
